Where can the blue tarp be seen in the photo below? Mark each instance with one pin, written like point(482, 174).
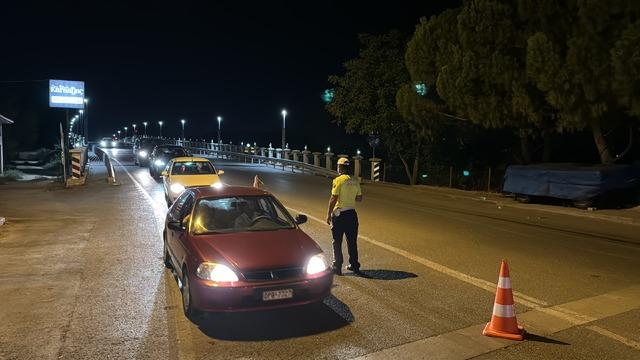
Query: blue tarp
point(570, 181)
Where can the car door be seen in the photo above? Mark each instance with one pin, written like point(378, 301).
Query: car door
point(166, 180)
point(172, 234)
point(181, 237)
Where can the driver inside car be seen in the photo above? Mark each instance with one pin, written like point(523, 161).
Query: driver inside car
point(245, 216)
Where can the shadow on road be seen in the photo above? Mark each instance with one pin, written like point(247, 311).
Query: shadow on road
point(542, 339)
point(299, 321)
point(384, 274)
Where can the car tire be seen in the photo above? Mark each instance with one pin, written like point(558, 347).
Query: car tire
point(167, 257)
point(190, 311)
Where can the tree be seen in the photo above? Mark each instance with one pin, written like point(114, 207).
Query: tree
point(572, 65)
point(365, 97)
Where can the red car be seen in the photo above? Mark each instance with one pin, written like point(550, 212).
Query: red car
point(238, 249)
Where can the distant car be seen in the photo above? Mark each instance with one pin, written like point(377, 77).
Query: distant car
point(107, 142)
point(142, 149)
point(185, 172)
point(161, 156)
point(238, 249)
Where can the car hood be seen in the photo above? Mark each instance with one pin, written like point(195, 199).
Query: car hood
point(259, 250)
point(194, 180)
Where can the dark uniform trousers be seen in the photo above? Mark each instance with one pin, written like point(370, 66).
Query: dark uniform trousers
point(347, 224)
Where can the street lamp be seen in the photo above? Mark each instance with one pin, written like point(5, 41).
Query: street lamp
point(183, 121)
point(118, 134)
point(134, 129)
point(160, 123)
point(145, 128)
point(219, 121)
point(125, 131)
point(284, 119)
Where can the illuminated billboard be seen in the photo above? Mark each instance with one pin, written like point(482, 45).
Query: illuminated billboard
point(66, 94)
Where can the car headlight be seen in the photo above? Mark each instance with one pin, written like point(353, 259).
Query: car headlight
point(177, 188)
point(142, 153)
point(113, 143)
point(217, 185)
point(103, 143)
point(316, 264)
point(216, 272)
point(159, 162)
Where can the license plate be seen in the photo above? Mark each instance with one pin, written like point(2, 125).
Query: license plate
point(277, 294)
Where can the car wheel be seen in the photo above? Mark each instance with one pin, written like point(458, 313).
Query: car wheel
point(187, 302)
point(167, 257)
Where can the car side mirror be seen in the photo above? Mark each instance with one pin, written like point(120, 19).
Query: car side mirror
point(301, 219)
point(164, 173)
point(175, 225)
point(220, 172)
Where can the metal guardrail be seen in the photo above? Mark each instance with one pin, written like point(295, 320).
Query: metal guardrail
point(237, 152)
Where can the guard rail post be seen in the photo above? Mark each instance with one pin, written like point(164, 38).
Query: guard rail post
point(328, 155)
point(357, 167)
point(375, 169)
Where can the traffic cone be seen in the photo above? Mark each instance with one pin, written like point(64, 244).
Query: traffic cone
point(257, 182)
point(503, 322)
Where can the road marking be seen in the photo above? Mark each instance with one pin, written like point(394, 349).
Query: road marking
point(469, 342)
point(614, 336)
point(182, 336)
point(523, 299)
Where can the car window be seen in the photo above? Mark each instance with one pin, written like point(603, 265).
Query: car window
point(186, 208)
point(177, 206)
point(240, 213)
point(175, 152)
point(192, 168)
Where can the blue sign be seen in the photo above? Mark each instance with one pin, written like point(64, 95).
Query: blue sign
point(66, 94)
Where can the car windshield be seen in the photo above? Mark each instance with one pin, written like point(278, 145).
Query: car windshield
point(192, 168)
point(240, 213)
point(172, 151)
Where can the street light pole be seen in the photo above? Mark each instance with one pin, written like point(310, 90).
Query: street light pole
point(145, 128)
point(219, 121)
point(126, 133)
point(284, 119)
point(86, 120)
point(134, 129)
point(183, 121)
point(160, 123)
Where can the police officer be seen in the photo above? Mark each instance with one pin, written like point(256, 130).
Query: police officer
point(343, 217)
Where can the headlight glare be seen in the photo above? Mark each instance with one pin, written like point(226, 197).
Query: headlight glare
point(103, 143)
point(113, 143)
point(316, 264)
point(177, 188)
point(159, 162)
point(216, 272)
point(217, 185)
point(142, 153)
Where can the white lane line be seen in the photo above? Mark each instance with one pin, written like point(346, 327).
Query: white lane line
point(630, 343)
point(523, 299)
point(183, 336)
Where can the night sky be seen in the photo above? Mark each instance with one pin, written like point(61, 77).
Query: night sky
point(245, 61)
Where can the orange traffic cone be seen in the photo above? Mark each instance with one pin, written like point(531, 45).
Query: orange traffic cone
point(503, 321)
point(257, 182)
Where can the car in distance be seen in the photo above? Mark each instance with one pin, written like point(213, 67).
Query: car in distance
point(238, 249)
point(107, 142)
point(142, 149)
point(186, 172)
point(161, 156)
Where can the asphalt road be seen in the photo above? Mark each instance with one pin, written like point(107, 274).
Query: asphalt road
point(430, 261)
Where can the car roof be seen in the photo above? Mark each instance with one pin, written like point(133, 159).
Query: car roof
point(227, 191)
point(189, 159)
